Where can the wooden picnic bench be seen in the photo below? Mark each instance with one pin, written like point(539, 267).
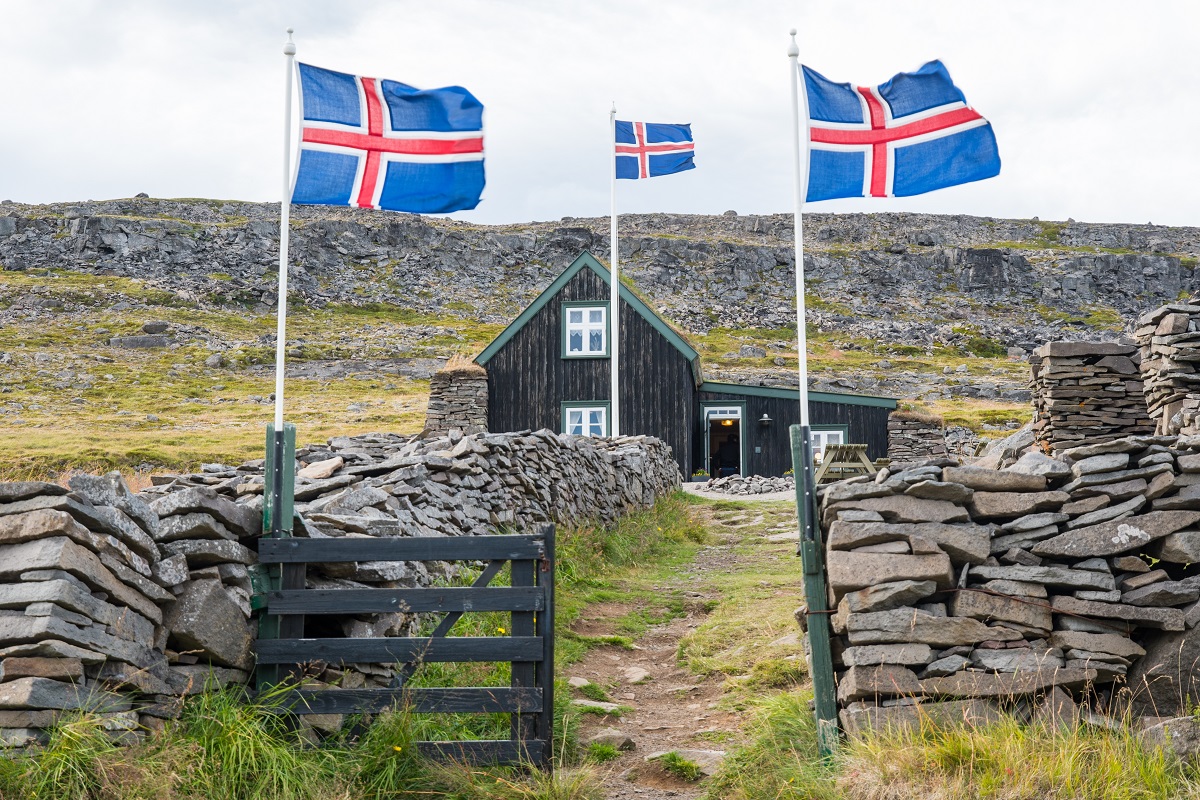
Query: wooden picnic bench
point(841, 461)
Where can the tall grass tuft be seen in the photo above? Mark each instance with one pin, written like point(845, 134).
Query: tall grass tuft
point(385, 761)
point(465, 783)
point(780, 760)
point(1009, 760)
point(243, 748)
point(70, 766)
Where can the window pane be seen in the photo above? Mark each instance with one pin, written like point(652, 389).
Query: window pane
point(596, 315)
point(596, 342)
point(575, 422)
point(575, 316)
point(576, 342)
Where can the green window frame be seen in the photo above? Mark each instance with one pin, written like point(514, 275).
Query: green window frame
point(586, 326)
point(586, 422)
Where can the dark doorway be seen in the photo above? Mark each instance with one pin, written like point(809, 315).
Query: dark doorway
point(724, 447)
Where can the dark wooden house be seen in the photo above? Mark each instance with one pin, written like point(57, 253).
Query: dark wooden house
point(550, 369)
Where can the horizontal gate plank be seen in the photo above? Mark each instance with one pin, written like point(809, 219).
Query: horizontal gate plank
point(370, 601)
point(498, 751)
point(399, 650)
point(400, 548)
point(438, 700)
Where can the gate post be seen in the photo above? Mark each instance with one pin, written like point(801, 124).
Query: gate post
point(816, 593)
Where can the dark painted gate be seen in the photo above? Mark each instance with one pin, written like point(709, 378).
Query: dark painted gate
point(529, 648)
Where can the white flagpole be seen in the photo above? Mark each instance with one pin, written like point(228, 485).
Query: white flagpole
point(285, 208)
point(810, 545)
point(614, 289)
point(800, 165)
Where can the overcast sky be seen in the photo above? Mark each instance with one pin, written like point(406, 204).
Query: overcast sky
point(1095, 104)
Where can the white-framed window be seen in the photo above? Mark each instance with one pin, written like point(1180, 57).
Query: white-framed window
point(586, 420)
point(827, 437)
point(585, 330)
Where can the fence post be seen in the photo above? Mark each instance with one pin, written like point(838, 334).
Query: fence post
point(544, 627)
point(524, 673)
point(816, 597)
point(279, 473)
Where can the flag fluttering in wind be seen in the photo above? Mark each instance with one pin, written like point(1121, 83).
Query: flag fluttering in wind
point(910, 135)
point(641, 150)
point(650, 149)
point(383, 144)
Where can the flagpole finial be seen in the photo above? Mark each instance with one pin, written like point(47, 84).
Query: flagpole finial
point(289, 48)
point(793, 48)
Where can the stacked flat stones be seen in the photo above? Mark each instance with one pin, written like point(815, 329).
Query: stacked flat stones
point(1087, 392)
point(915, 437)
point(959, 589)
point(1170, 348)
point(207, 541)
point(82, 586)
point(391, 485)
point(121, 603)
point(458, 398)
point(750, 484)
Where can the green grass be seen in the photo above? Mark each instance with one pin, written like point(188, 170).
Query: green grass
point(780, 759)
point(744, 635)
point(622, 564)
point(1006, 760)
point(1009, 760)
point(594, 691)
point(680, 767)
point(600, 752)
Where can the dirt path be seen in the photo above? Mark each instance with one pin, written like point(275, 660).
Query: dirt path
point(673, 709)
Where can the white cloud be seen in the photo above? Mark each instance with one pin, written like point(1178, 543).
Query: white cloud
point(1092, 101)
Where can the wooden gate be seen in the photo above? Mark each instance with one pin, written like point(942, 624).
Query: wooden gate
point(529, 647)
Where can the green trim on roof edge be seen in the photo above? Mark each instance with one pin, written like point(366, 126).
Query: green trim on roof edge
point(586, 259)
point(793, 393)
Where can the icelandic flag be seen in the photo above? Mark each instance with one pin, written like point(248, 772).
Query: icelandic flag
point(382, 144)
point(908, 136)
point(650, 149)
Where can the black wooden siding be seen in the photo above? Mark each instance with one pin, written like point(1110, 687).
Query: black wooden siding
point(528, 379)
point(867, 425)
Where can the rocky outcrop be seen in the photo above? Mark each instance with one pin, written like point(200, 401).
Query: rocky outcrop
point(899, 279)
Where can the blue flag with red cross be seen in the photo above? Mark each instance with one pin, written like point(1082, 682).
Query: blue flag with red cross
point(910, 135)
point(650, 149)
point(383, 144)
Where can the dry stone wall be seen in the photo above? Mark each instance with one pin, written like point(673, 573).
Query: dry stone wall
point(961, 590)
point(1086, 392)
point(458, 398)
point(915, 437)
point(1169, 338)
point(124, 603)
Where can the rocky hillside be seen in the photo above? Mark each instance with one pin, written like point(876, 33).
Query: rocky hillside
point(918, 306)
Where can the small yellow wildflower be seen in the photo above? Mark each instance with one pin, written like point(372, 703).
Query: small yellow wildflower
point(397, 748)
point(500, 630)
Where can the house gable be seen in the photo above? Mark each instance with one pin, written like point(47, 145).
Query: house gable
point(587, 261)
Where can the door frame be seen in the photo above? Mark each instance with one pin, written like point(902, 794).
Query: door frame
point(705, 407)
